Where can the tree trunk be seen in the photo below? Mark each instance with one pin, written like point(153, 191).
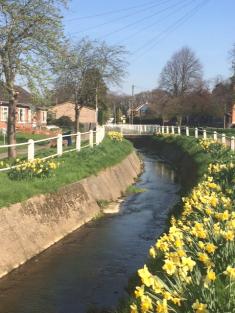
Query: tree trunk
point(11, 125)
point(77, 115)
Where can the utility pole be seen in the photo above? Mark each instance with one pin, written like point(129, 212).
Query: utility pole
point(132, 103)
point(96, 105)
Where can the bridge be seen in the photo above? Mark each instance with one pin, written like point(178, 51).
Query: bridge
point(147, 130)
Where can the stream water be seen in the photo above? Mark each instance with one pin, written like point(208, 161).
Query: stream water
point(91, 267)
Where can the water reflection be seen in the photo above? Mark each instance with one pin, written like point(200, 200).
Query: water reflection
point(165, 171)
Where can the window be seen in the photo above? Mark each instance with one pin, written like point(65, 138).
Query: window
point(44, 116)
point(4, 114)
point(21, 115)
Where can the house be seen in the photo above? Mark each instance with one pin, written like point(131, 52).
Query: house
point(88, 116)
point(28, 116)
point(139, 111)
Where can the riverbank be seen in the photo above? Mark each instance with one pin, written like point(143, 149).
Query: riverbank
point(192, 267)
point(31, 226)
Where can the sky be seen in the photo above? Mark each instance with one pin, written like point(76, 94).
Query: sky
point(152, 31)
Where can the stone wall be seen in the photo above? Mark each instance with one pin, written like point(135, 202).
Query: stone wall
point(30, 227)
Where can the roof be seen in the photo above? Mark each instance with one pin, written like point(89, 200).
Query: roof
point(24, 97)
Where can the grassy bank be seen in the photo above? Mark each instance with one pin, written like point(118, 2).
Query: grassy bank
point(73, 167)
point(191, 268)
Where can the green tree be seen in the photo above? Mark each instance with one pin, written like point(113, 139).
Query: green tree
point(87, 68)
point(31, 34)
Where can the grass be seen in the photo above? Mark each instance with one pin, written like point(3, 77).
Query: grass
point(24, 137)
point(132, 189)
point(74, 167)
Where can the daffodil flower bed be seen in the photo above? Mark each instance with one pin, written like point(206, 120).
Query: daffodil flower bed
point(192, 267)
point(37, 168)
point(115, 136)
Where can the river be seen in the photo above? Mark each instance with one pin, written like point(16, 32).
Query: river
point(91, 267)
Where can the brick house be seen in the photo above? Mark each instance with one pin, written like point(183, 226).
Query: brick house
point(28, 116)
point(88, 116)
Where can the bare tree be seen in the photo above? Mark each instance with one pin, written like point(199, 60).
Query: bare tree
point(83, 58)
point(181, 75)
point(30, 36)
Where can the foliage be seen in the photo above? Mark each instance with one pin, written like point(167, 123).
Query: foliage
point(192, 267)
point(87, 68)
point(38, 168)
point(64, 122)
point(76, 166)
point(116, 136)
point(31, 35)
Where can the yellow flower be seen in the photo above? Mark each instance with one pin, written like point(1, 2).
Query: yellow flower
point(200, 307)
point(230, 271)
point(162, 306)
point(203, 257)
point(146, 304)
point(228, 235)
point(133, 308)
point(139, 292)
point(210, 247)
point(145, 276)
point(176, 301)
point(152, 252)
point(169, 267)
point(188, 263)
point(211, 276)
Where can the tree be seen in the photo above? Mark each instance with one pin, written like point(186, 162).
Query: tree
point(30, 36)
point(87, 68)
point(181, 75)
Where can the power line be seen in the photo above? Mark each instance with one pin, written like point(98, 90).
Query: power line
point(143, 19)
point(121, 18)
point(158, 21)
point(169, 29)
point(109, 12)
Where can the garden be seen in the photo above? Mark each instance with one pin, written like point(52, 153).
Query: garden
point(191, 267)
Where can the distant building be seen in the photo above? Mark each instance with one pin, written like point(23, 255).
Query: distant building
point(87, 116)
point(28, 116)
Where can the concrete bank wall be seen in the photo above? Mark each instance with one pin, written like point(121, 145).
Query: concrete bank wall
point(30, 227)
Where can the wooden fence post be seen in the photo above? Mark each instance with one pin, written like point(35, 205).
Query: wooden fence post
point(204, 134)
point(30, 150)
point(179, 130)
point(187, 131)
point(223, 140)
point(215, 137)
point(173, 130)
point(91, 138)
point(60, 144)
point(78, 141)
point(196, 132)
point(232, 143)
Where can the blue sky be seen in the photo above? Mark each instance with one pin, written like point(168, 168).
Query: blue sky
point(153, 30)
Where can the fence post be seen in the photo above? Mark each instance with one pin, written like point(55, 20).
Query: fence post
point(30, 150)
point(173, 130)
point(215, 137)
point(223, 139)
point(60, 144)
point(163, 129)
point(204, 134)
point(232, 143)
point(167, 129)
point(78, 141)
point(98, 136)
point(196, 132)
point(187, 131)
point(179, 130)
point(91, 138)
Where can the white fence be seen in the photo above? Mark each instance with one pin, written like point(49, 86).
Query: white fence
point(92, 138)
point(130, 129)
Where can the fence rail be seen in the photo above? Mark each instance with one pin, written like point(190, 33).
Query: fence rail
point(197, 132)
point(93, 138)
